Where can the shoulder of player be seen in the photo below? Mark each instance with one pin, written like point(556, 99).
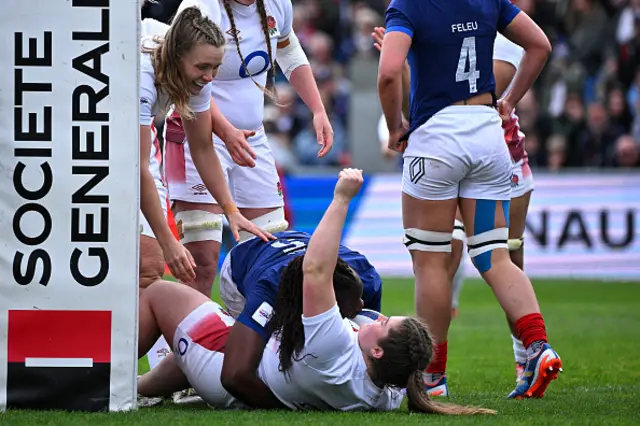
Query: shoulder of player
point(280, 8)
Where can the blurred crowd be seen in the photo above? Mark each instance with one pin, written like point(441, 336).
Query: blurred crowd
point(584, 111)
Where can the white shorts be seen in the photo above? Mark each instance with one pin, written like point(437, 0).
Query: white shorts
point(521, 179)
point(460, 151)
point(145, 228)
point(198, 345)
point(233, 300)
point(257, 187)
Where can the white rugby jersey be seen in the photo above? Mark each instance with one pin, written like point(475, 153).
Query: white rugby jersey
point(330, 373)
point(238, 98)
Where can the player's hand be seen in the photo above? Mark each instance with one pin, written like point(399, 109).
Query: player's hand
point(180, 261)
point(349, 184)
point(238, 223)
point(505, 109)
point(395, 144)
point(324, 132)
point(237, 143)
point(378, 37)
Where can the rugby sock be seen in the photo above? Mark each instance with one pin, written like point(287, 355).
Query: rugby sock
point(458, 280)
point(438, 363)
point(157, 353)
point(531, 330)
point(519, 351)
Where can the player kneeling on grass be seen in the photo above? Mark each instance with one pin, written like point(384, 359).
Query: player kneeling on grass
point(198, 329)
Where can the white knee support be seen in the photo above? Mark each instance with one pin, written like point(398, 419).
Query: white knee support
point(515, 244)
point(198, 225)
point(417, 239)
point(271, 222)
point(458, 231)
point(485, 243)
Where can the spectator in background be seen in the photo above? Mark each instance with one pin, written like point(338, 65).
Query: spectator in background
point(557, 152)
point(597, 140)
point(627, 152)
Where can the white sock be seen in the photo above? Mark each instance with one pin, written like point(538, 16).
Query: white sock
point(458, 280)
point(519, 351)
point(157, 353)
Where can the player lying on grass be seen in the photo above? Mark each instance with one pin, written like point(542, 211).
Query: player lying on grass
point(249, 280)
point(323, 363)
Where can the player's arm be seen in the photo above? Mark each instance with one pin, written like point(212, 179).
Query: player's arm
point(397, 42)
point(527, 34)
point(198, 131)
point(239, 377)
point(320, 260)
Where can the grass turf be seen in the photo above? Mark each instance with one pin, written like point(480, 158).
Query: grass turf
point(594, 326)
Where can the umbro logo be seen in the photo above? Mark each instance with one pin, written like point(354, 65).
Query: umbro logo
point(199, 189)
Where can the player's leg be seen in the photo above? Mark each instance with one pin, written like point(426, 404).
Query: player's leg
point(429, 200)
point(521, 189)
point(456, 268)
point(152, 262)
point(198, 329)
point(198, 217)
point(258, 192)
point(484, 204)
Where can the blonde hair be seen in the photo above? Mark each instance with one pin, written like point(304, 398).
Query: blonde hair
point(188, 29)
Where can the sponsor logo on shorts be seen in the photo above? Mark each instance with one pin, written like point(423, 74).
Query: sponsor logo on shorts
point(416, 169)
point(200, 189)
point(263, 314)
point(515, 180)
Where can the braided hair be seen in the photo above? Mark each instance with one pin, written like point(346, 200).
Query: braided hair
point(271, 76)
point(407, 350)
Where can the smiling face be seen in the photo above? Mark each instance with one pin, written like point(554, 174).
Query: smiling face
point(200, 65)
point(370, 335)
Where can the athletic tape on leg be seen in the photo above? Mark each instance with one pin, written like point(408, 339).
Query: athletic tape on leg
point(417, 239)
point(481, 246)
point(515, 244)
point(198, 225)
point(271, 222)
point(458, 231)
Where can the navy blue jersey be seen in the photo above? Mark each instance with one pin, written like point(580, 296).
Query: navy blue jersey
point(256, 267)
point(451, 49)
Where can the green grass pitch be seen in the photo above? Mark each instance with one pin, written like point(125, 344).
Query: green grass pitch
point(594, 326)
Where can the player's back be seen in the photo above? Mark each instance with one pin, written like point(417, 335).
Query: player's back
point(256, 261)
point(451, 51)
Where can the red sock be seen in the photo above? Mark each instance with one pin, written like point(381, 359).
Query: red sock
point(438, 363)
point(531, 329)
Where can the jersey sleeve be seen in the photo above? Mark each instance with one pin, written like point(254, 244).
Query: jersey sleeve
point(397, 18)
point(287, 13)
point(258, 308)
point(507, 51)
point(329, 341)
point(508, 12)
point(148, 92)
point(202, 101)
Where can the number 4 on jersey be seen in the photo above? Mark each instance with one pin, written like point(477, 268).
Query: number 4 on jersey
point(468, 52)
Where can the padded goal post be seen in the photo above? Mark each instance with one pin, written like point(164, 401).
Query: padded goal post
point(69, 200)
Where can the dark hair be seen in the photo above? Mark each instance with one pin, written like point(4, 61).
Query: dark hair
point(407, 351)
point(287, 319)
point(271, 76)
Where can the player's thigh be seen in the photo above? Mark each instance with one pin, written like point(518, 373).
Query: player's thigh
point(257, 190)
point(171, 303)
point(151, 261)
